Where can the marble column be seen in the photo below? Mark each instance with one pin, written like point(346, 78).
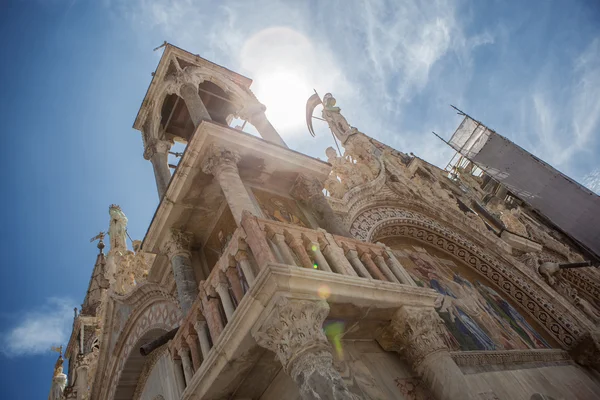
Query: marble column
point(416, 333)
point(222, 164)
point(82, 379)
point(177, 248)
point(335, 255)
point(294, 332)
point(202, 331)
point(234, 281)
point(178, 371)
point(222, 288)
point(157, 152)
point(198, 112)
point(210, 309)
point(265, 129)
point(310, 192)
point(188, 370)
point(242, 258)
point(192, 341)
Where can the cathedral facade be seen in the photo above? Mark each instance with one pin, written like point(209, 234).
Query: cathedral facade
point(269, 274)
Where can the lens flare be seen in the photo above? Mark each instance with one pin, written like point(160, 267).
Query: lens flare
point(314, 248)
point(334, 331)
point(324, 292)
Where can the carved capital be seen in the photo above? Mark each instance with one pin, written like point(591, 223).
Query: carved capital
point(217, 158)
point(305, 187)
point(294, 327)
point(177, 243)
point(415, 333)
point(250, 111)
point(156, 146)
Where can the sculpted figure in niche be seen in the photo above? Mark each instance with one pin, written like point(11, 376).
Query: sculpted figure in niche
point(350, 175)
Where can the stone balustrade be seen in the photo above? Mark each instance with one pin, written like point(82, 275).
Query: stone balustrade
point(255, 244)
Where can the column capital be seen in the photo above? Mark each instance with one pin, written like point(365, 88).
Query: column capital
point(177, 243)
point(156, 146)
point(217, 157)
point(415, 332)
point(293, 328)
point(306, 187)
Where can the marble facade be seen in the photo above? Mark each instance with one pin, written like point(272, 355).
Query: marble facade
point(253, 282)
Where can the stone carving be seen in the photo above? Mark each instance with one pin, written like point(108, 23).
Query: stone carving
point(508, 358)
point(380, 222)
point(132, 270)
point(59, 380)
point(337, 123)
point(366, 155)
point(345, 175)
point(117, 229)
point(156, 146)
point(294, 332)
point(413, 389)
point(415, 333)
point(216, 157)
point(177, 243)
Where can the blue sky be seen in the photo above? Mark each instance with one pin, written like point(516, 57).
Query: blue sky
point(73, 75)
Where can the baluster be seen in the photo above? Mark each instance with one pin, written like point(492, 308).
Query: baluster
point(192, 340)
point(256, 240)
point(396, 267)
point(368, 262)
point(202, 332)
point(234, 280)
point(178, 371)
point(298, 248)
point(188, 372)
point(221, 285)
point(352, 256)
point(383, 267)
point(282, 246)
point(210, 306)
point(334, 254)
point(315, 249)
point(242, 257)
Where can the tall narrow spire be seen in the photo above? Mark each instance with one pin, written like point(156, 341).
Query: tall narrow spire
point(98, 281)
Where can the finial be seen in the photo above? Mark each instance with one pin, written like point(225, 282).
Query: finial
point(58, 349)
point(100, 238)
point(115, 206)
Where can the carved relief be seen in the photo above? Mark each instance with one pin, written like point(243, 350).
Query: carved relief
point(376, 223)
point(294, 332)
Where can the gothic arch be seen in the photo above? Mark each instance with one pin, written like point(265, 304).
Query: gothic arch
point(154, 312)
point(380, 222)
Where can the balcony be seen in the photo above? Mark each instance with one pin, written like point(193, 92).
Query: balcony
point(363, 283)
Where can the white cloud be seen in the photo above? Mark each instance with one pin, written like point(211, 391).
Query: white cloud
point(37, 330)
point(592, 181)
point(374, 56)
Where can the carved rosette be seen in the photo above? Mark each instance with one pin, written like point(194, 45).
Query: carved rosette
point(294, 332)
point(177, 243)
point(217, 158)
point(415, 333)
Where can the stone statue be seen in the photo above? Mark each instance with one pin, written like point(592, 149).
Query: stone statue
point(117, 229)
point(338, 124)
point(59, 379)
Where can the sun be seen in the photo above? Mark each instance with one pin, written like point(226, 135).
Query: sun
point(281, 62)
point(284, 93)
